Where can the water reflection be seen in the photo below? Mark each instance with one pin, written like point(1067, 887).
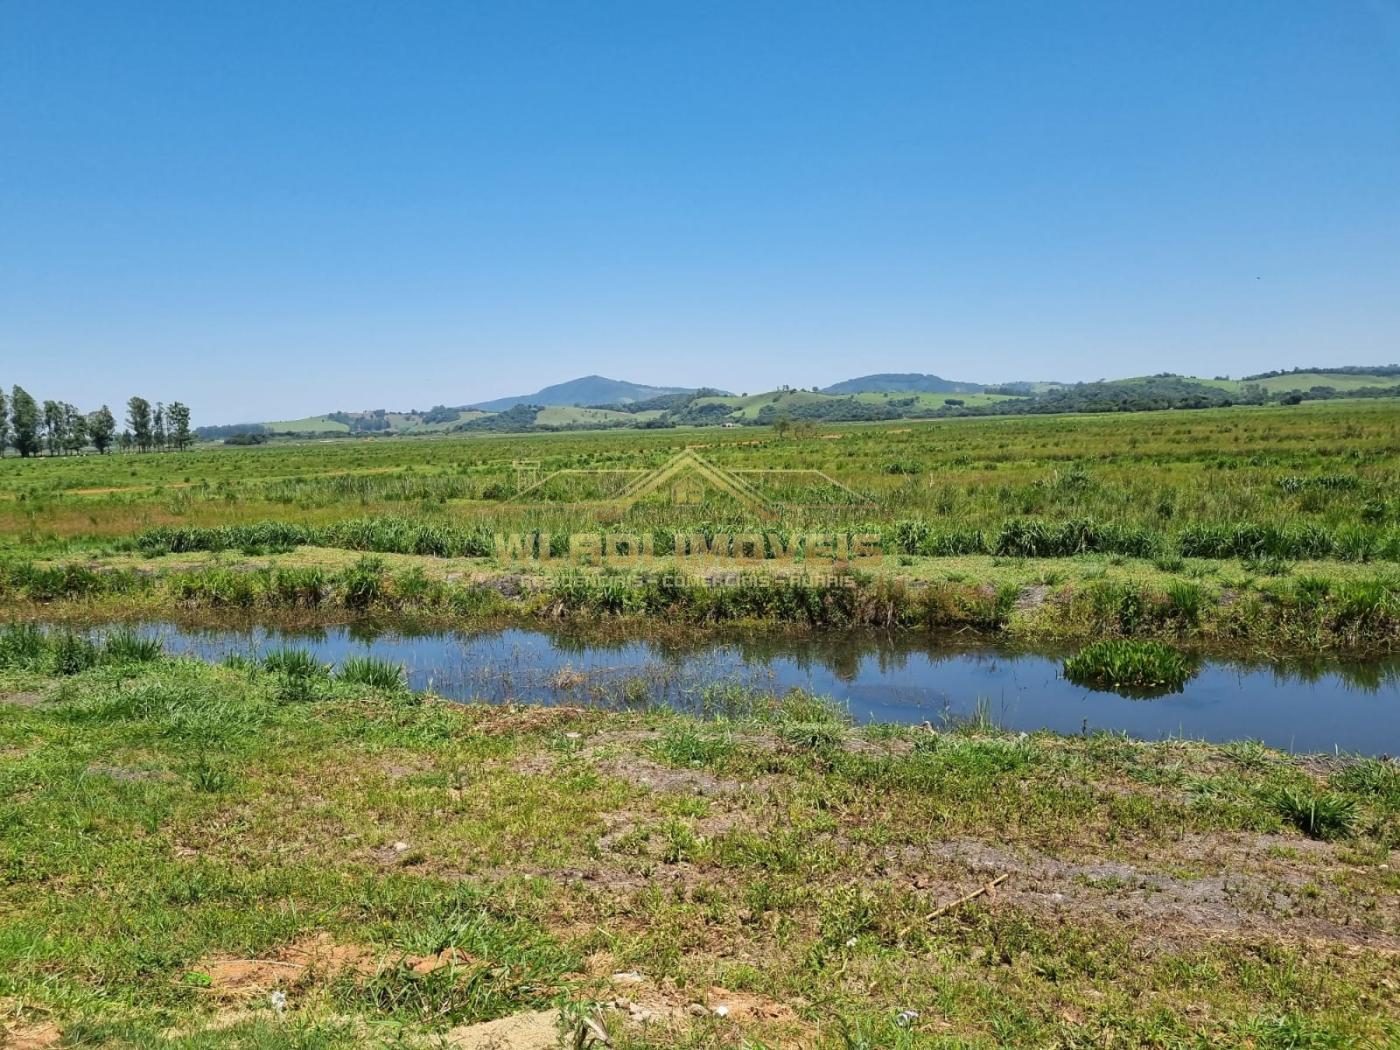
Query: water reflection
point(1305, 704)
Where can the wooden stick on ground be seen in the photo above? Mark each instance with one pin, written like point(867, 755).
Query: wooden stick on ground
point(988, 888)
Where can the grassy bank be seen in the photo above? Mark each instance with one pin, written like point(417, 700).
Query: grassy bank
point(274, 855)
point(1246, 605)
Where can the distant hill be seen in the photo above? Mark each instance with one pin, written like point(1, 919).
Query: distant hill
point(902, 382)
point(590, 390)
point(595, 402)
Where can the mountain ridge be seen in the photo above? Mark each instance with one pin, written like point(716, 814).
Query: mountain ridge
point(902, 382)
point(586, 390)
point(594, 401)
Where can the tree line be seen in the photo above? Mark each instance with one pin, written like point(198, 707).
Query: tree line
point(58, 428)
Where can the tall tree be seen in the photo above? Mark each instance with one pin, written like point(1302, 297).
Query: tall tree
point(24, 419)
point(101, 427)
point(158, 435)
point(138, 421)
point(54, 437)
point(4, 422)
point(75, 428)
point(178, 418)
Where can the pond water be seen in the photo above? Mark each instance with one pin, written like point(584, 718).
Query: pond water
point(1305, 707)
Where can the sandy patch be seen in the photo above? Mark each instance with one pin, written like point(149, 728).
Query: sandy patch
point(320, 957)
point(537, 1030)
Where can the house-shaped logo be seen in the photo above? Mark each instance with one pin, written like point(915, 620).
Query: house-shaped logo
point(688, 479)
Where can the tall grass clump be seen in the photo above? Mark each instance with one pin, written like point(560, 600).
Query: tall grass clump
point(293, 663)
point(30, 648)
point(373, 672)
point(380, 535)
point(128, 647)
point(1317, 814)
point(73, 653)
point(362, 584)
point(1186, 601)
point(1130, 665)
point(23, 647)
point(919, 537)
point(256, 538)
point(306, 586)
point(1378, 778)
point(1247, 539)
point(1036, 538)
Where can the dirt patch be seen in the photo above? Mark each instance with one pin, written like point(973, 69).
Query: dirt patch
point(321, 957)
point(655, 777)
point(302, 962)
point(22, 1036)
point(537, 1030)
point(646, 1002)
point(448, 958)
point(26, 1029)
point(126, 774)
point(1256, 894)
point(511, 585)
point(1031, 598)
point(21, 699)
point(525, 718)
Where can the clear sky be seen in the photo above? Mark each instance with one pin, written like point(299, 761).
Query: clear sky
point(274, 209)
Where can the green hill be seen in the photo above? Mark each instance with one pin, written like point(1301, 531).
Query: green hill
point(840, 403)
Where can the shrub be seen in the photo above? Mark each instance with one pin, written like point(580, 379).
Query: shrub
point(1125, 664)
point(902, 466)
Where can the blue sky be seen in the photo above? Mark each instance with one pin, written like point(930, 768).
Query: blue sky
point(269, 210)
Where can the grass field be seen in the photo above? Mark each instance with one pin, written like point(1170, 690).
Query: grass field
point(309, 425)
point(1091, 520)
point(246, 855)
point(270, 854)
point(1325, 463)
point(1307, 380)
point(562, 416)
